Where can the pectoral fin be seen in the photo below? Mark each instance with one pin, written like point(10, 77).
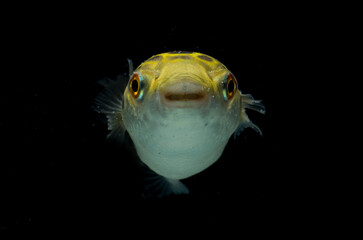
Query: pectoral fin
point(248, 102)
point(110, 103)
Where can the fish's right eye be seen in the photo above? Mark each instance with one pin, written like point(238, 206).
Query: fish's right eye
point(135, 86)
point(230, 87)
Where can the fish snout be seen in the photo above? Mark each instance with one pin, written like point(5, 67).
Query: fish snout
point(184, 95)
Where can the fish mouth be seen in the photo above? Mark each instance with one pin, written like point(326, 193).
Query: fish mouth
point(184, 94)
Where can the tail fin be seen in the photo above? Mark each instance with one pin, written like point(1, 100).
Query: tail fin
point(156, 186)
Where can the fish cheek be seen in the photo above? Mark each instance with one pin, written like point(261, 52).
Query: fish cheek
point(234, 112)
point(129, 112)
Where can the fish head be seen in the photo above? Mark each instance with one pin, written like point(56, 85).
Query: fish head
point(180, 109)
point(180, 80)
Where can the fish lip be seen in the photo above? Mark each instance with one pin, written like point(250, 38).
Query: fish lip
point(184, 95)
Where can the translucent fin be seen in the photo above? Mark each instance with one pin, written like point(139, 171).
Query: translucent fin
point(246, 124)
point(131, 67)
point(248, 102)
point(110, 103)
point(156, 186)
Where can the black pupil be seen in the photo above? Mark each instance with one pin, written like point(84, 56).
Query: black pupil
point(230, 86)
point(134, 85)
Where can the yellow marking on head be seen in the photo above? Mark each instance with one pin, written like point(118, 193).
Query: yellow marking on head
point(158, 61)
point(173, 66)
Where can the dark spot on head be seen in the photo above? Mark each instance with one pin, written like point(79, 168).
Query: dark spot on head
point(206, 58)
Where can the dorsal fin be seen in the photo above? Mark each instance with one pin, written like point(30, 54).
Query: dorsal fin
point(131, 67)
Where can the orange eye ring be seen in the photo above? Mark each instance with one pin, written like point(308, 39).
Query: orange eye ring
point(230, 87)
point(134, 85)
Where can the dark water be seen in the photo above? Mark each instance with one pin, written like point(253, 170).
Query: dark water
point(60, 173)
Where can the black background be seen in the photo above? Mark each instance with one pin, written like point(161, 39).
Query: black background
point(61, 174)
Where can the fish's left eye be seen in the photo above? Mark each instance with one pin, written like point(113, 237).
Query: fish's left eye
point(230, 87)
point(135, 86)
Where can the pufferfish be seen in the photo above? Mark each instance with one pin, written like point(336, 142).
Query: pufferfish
point(179, 109)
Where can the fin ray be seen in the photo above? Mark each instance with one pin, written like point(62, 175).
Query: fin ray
point(248, 102)
point(109, 102)
point(156, 186)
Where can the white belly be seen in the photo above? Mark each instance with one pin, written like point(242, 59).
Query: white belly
point(181, 144)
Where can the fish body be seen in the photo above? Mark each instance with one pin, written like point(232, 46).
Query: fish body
point(180, 109)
